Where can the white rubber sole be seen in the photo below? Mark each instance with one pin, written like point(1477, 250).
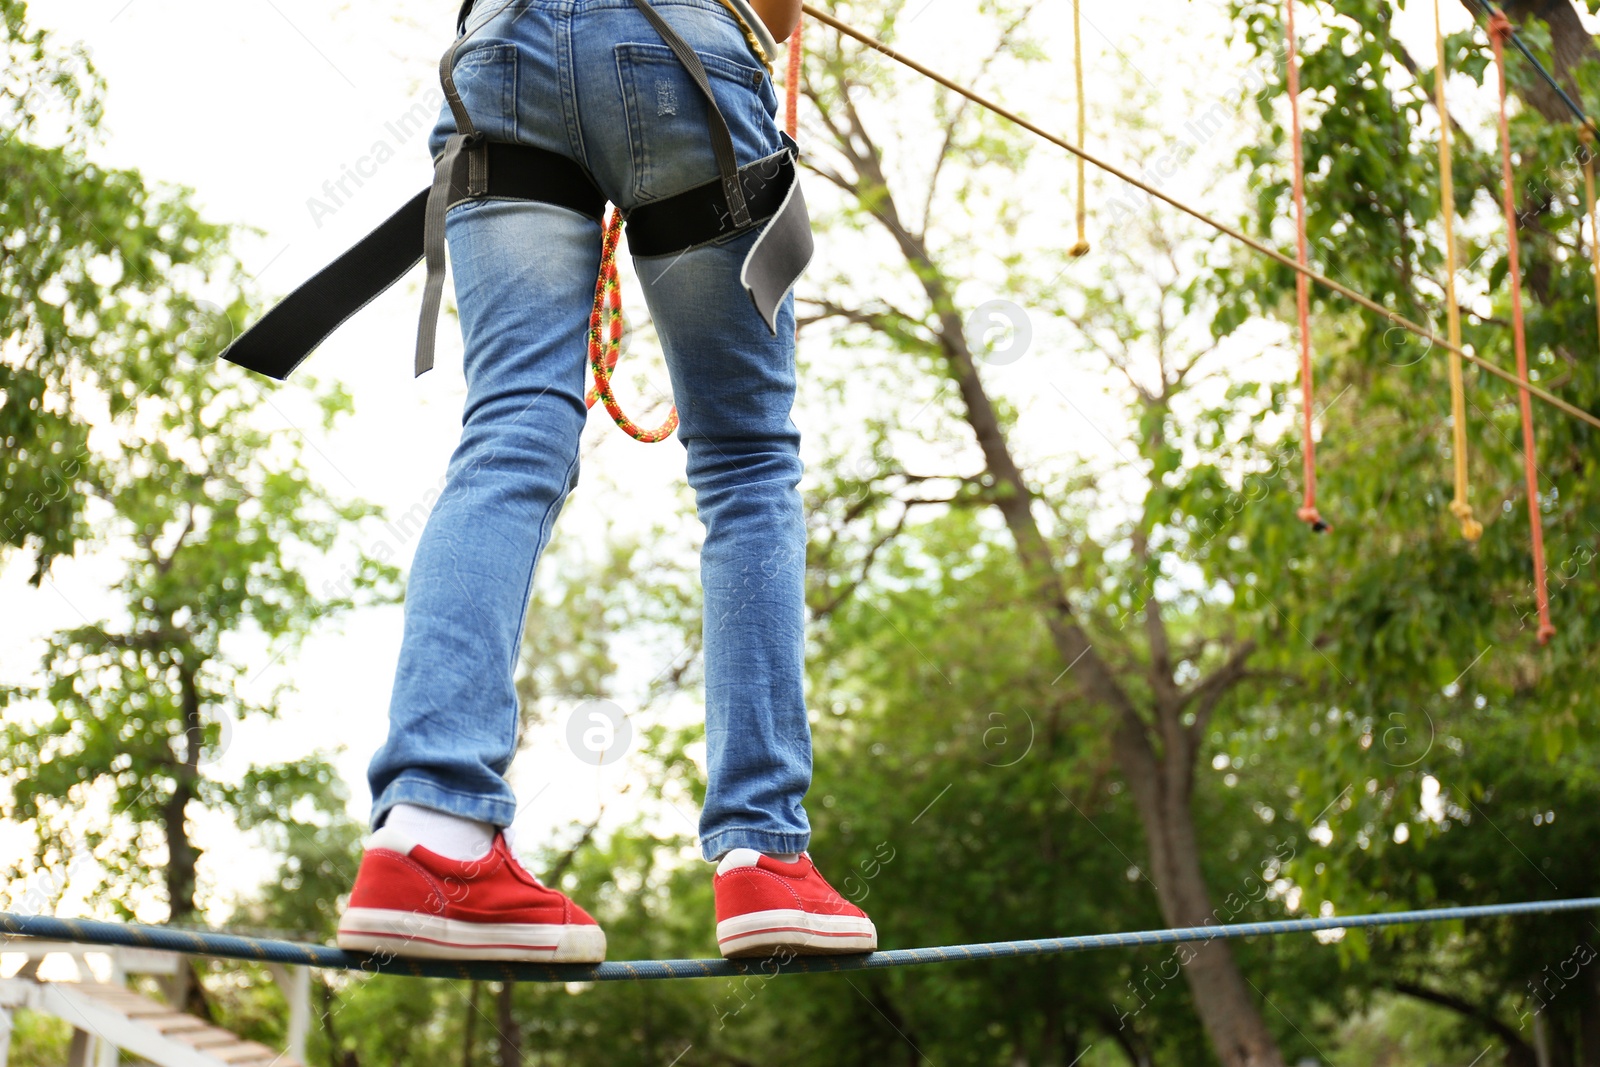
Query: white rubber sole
point(765, 933)
point(410, 933)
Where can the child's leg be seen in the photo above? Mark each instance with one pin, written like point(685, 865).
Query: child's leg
point(734, 384)
point(524, 278)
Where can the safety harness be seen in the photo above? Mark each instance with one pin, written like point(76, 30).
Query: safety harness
point(764, 194)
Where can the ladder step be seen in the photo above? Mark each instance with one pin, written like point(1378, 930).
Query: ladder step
point(208, 1038)
point(244, 1052)
point(174, 1022)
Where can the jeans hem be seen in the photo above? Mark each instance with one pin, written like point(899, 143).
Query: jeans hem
point(425, 794)
point(716, 846)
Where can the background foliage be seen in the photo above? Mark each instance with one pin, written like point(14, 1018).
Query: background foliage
point(1355, 721)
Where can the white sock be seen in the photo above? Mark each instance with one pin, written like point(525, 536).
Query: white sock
point(451, 836)
point(747, 857)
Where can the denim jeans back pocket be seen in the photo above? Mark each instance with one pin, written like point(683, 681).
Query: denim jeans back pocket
point(668, 135)
point(486, 78)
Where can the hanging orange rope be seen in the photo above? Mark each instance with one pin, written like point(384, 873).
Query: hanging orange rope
point(1302, 297)
point(1461, 505)
point(791, 91)
point(605, 339)
point(1499, 31)
point(791, 81)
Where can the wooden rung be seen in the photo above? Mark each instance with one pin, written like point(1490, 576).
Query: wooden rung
point(122, 996)
point(138, 1005)
point(174, 1022)
point(208, 1038)
point(243, 1052)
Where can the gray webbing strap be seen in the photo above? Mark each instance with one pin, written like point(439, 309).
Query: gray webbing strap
point(721, 139)
point(782, 251)
point(433, 250)
point(467, 146)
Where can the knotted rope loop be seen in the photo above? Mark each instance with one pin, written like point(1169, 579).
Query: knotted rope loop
point(605, 339)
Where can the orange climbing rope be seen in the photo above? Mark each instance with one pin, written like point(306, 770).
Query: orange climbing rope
point(791, 81)
point(605, 339)
point(1499, 31)
point(605, 318)
point(1302, 286)
point(1461, 504)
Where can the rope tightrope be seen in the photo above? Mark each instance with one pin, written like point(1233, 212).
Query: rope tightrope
point(229, 946)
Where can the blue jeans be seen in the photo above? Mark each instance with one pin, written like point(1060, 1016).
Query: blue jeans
point(590, 79)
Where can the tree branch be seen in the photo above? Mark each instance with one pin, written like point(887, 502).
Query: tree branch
point(1466, 1009)
point(1207, 693)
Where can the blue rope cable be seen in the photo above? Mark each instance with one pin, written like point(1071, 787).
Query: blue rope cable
point(230, 946)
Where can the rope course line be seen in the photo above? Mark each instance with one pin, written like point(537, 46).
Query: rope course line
point(1394, 318)
point(229, 946)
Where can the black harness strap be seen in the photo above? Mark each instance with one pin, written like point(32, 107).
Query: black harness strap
point(700, 214)
point(281, 339)
point(472, 167)
point(775, 261)
point(285, 335)
point(721, 139)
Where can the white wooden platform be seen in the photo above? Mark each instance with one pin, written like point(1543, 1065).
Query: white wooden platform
point(107, 1016)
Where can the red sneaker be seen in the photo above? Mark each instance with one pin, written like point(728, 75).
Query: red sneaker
point(409, 901)
point(765, 906)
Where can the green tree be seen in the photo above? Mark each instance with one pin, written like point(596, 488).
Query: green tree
point(1425, 675)
point(1152, 656)
point(122, 432)
point(100, 271)
point(1278, 722)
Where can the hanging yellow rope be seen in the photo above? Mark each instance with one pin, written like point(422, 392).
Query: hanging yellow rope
point(1461, 506)
point(1082, 247)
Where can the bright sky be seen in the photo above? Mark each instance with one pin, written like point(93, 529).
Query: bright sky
point(256, 105)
